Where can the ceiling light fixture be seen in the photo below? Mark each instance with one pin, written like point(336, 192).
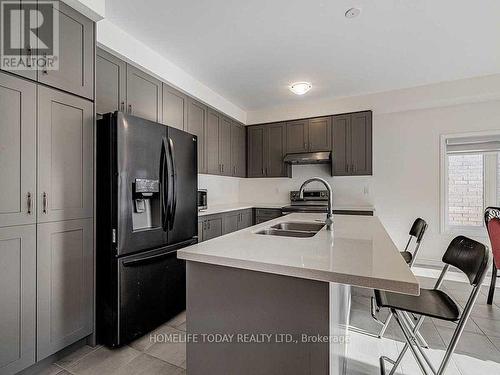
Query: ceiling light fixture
point(300, 88)
point(352, 13)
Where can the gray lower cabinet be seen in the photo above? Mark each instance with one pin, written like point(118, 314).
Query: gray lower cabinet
point(196, 124)
point(65, 147)
point(265, 214)
point(174, 107)
point(143, 95)
point(111, 75)
point(246, 219)
point(266, 150)
point(18, 297)
point(64, 284)
point(212, 227)
point(237, 220)
point(352, 144)
point(76, 54)
point(231, 221)
point(17, 151)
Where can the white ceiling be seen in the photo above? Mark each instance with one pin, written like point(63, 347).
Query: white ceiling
point(249, 51)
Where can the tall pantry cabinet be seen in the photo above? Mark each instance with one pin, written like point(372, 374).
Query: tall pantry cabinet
point(46, 203)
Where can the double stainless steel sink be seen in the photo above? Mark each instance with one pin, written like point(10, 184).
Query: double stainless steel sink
point(293, 229)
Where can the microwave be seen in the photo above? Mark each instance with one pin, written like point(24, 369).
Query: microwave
point(202, 200)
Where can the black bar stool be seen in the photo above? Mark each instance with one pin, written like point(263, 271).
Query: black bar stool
point(469, 256)
point(417, 232)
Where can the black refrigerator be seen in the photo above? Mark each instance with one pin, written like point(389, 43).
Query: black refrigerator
point(146, 208)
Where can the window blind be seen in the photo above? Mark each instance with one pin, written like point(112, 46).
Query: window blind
point(476, 145)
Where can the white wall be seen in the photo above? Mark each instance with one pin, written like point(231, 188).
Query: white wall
point(118, 41)
point(221, 189)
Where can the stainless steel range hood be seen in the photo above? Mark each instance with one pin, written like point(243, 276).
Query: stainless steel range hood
point(309, 158)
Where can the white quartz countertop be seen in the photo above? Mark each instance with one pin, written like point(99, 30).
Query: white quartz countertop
point(221, 208)
point(357, 252)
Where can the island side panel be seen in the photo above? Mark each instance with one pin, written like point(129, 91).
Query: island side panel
point(231, 301)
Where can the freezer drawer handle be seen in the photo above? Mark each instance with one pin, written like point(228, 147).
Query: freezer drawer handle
point(135, 262)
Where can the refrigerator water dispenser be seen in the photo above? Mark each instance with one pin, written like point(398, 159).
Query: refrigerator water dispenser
point(146, 204)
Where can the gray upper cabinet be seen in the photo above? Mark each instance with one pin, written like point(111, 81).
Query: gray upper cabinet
point(297, 133)
point(266, 150)
point(320, 134)
point(225, 146)
point(212, 135)
point(361, 143)
point(17, 151)
point(143, 94)
point(309, 135)
point(64, 284)
point(341, 144)
point(255, 140)
point(174, 108)
point(65, 177)
point(18, 297)
point(76, 55)
point(111, 74)
point(238, 150)
point(196, 119)
point(25, 49)
point(274, 152)
point(352, 144)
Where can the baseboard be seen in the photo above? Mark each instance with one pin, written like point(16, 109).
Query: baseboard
point(44, 364)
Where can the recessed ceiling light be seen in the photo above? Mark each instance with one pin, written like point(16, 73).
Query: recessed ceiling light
point(300, 88)
point(352, 13)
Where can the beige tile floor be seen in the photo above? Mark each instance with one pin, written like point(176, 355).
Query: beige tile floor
point(478, 351)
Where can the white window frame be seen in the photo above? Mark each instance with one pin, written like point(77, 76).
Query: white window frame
point(489, 185)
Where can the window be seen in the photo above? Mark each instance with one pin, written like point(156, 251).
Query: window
point(470, 182)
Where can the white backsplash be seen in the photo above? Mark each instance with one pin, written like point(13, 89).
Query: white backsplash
point(346, 190)
point(220, 189)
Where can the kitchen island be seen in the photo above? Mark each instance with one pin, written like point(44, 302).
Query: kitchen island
point(268, 304)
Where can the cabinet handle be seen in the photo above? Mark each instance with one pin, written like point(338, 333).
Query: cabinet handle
point(28, 202)
point(266, 171)
point(45, 71)
point(222, 167)
point(234, 170)
point(45, 202)
point(262, 171)
point(305, 146)
point(122, 106)
point(28, 50)
point(130, 109)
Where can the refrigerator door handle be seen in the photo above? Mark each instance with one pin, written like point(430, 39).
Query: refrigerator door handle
point(173, 172)
point(163, 183)
point(138, 261)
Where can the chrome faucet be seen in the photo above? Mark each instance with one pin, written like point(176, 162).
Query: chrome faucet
point(329, 215)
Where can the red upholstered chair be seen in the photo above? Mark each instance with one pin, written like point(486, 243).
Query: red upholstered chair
point(492, 222)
